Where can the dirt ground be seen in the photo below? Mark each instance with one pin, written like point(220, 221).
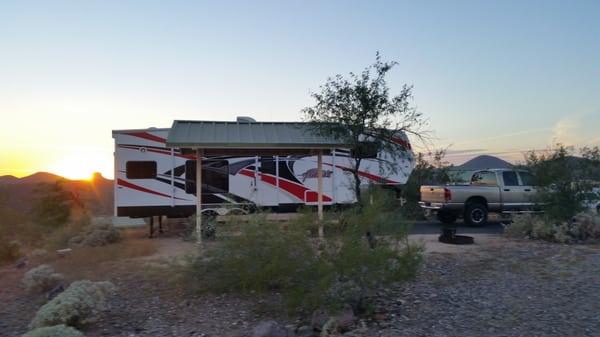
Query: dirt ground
point(152, 302)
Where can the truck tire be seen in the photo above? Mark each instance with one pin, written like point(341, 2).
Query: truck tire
point(446, 217)
point(476, 214)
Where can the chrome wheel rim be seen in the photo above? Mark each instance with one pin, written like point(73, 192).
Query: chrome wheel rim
point(477, 215)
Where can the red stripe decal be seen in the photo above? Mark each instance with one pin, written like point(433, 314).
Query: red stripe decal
point(293, 188)
point(148, 136)
point(368, 175)
point(143, 189)
point(401, 142)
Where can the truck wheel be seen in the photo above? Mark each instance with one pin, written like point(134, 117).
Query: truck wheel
point(476, 214)
point(446, 217)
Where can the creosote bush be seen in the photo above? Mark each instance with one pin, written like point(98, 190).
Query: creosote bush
point(311, 273)
point(80, 304)
point(54, 331)
point(41, 278)
point(584, 227)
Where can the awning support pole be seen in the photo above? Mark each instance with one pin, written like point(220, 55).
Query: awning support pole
point(320, 192)
point(199, 196)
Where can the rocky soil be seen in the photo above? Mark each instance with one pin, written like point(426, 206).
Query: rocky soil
point(509, 289)
point(505, 288)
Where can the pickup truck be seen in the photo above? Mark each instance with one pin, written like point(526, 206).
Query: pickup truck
point(493, 190)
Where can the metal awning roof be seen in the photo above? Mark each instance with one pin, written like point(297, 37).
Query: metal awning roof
point(238, 136)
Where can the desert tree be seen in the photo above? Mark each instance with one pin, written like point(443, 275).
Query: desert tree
point(564, 180)
point(360, 110)
point(52, 205)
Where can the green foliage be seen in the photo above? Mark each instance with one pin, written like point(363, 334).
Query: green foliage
point(52, 207)
point(60, 330)
point(80, 304)
point(583, 227)
point(10, 251)
point(15, 228)
point(309, 272)
point(41, 278)
point(60, 237)
point(95, 236)
point(564, 180)
point(361, 111)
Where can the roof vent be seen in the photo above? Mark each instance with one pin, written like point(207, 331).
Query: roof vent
point(245, 119)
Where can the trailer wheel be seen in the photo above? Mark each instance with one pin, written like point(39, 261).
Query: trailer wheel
point(447, 217)
point(476, 214)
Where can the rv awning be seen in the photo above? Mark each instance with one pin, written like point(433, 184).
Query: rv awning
point(249, 138)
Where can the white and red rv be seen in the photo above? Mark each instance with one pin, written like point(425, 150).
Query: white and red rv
point(152, 179)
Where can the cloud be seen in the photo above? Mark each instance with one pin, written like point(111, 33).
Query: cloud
point(465, 151)
point(567, 131)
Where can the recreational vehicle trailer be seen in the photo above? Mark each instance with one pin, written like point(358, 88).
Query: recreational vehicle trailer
point(152, 179)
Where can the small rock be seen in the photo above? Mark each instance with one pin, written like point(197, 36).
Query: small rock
point(345, 319)
point(39, 252)
point(271, 329)
point(318, 319)
point(21, 263)
point(305, 331)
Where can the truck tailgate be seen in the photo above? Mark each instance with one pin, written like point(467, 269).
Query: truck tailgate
point(432, 194)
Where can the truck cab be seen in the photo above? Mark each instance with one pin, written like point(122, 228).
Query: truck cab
point(488, 191)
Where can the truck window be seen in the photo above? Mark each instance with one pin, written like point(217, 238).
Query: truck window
point(484, 178)
point(140, 169)
point(510, 178)
point(526, 179)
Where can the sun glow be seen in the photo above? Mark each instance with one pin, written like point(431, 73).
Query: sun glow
point(79, 165)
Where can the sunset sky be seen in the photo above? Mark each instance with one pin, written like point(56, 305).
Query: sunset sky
point(495, 77)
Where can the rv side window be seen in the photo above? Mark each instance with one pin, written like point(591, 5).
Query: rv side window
point(215, 176)
point(140, 169)
point(367, 149)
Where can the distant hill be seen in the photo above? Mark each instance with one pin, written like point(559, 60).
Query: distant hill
point(484, 162)
point(36, 178)
point(4, 180)
point(96, 194)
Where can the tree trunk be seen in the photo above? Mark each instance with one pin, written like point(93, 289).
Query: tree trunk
point(357, 181)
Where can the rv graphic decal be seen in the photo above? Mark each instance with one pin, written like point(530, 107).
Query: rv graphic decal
point(312, 173)
point(169, 186)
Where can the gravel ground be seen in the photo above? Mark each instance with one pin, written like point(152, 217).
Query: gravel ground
point(509, 289)
point(502, 288)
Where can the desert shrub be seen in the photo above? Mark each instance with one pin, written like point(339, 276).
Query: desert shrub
point(41, 278)
point(584, 227)
point(209, 228)
point(564, 180)
point(52, 207)
point(59, 238)
point(54, 331)
point(95, 236)
point(80, 304)
point(310, 273)
point(10, 251)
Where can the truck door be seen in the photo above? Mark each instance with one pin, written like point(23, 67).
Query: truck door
point(527, 182)
point(515, 196)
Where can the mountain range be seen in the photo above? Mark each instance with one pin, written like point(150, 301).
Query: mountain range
point(96, 193)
